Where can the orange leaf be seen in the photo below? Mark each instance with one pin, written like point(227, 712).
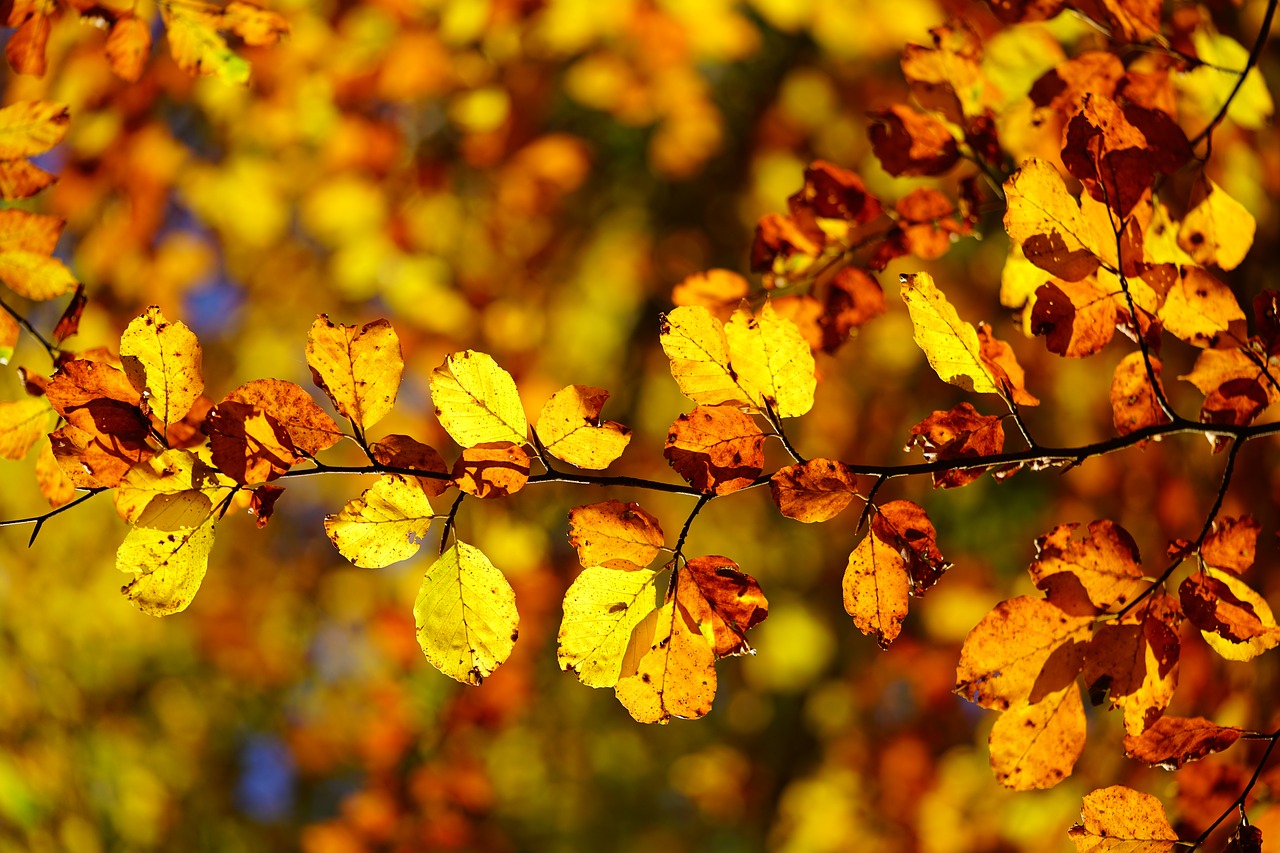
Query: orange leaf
point(614, 534)
point(1120, 818)
point(1003, 365)
point(717, 290)
point(716, 449)
point(1105, 562)
point(54, 483)
point(1036, 745)
point(128, 47)
point(853, 298)
point(1048, 223)
point(910, 142)
point(26, 48)
point(1077, 319)
point(492, 470)
point(310, 429)
point(1233, 543)
point(876, 586)
point(1133, 401)
point(817, 490)
point(1136, 659)
point(961, 433)
point(255, 25)
point(570, 428)
point(723, 601)
point(675, 673)
point(904, 525)
point(359, 368)
point(249, 445)
point(1024, 649)
point(1199, 309)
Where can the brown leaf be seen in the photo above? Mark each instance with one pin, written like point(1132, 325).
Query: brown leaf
point(80, 382)
point(128, 47)
point(614, 534)
point(1135, 657)
point(248, 445)
point(401, 451)
point(1077, 319)
point(817, 490)
point(494, 469)
point(905, 526)
point(69, 322)
point(1133, 402)
point(1247, 839)
point(910, 142)
point(723, 601)
point(778, 238)
point(256, 26)
point(716, 449)
point(1106, 562)
point(263, 503)
point(853, 298)
point(1036, 745)
point(26, 48)
point(1063, 88)
point(948, 75)
point(1232, 544)
point(836, 193)
point(1023, 649)
point(1173, 741)
point(1233, 618)
point(961, 433)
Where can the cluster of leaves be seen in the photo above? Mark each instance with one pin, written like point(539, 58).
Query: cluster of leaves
point(1114, 225)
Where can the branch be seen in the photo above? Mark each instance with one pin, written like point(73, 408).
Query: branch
point(39, 520)
point(1254, 55)
point(1239, 801)
point(22, 321)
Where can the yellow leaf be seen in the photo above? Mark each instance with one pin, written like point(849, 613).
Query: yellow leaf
point(170, 473)
point(1267, 638)
point(1119, 819)
point(1045, 219)
point(197, 46)
point(601, 609)
point(31, 127)
point(168, 552)
point(772, 361)
point(1036, 745)
point(570, 428)
point(698, 349)
point(477, 401)
point(950, 344)
point(875, 588)
point(35, 276)
point(359, 369)
point(384, 525)
point(1208, 86)
point(1217, 229)
point(163, 361)
point(675, 677)
point(54, 483)
point(22, 422)
point(1199, 308)
point(466, 615)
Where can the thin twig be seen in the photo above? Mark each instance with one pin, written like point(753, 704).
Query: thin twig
point(22, 321)
point(1239, 801)
point(39, 520)
point(1254, 55)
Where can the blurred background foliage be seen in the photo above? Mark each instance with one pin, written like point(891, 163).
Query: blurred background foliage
point(530, 178)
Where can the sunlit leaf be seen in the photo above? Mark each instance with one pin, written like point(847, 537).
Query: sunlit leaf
point(570, 428)
point(876, 586)
point(1135, 659)
point(384, 525)
point(26, 242)
point(466, 615)
point(1173, 741)
point(771, 362)
point(676, 676)
point(816, 490)
point(696, 344)
point(1199, 308)
point(169, 473)
point(359, 368)
point(168, 552)
point(716, 449)
point(197, 46)
point(1106, 562)
point(401, 451)
point(22, 422)
point(601, 609)
point(1122, 820)
point(1134, 404)
point(1036, 744)
point(163, 361)
point(477, 401)
point(492, 470)
point(1232, 545)
point(723, 601)
point(1217, 229)
point(950, 344)
point(1234, 620)
point(1043, 217)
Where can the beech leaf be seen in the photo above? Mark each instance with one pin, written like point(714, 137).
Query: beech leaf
point(163, 361)
point(167, 551)
point(359, 368)
point(601, 609)
point(466, 615)
point(1122, 820)
point(477, 401)
point(614, 534)
point(950, 344)
point(384, 525)
point(570, 428)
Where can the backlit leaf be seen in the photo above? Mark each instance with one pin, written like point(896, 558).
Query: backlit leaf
point(466, 615)
point(950, 344)
point(717, 290)
point(256, 26)
point(129, 47)
point(676, 676)
point(961, 433)
point(359, 368)
point(1043, 217)
point(54, 483)
point(477, 401)
point(910, 142)
point(248, 445)
point(875, 588)
point(716, 449)
point(1134, 405)
point(1217, 230)
point(771, 362)
point(1208, 86)
point(1077, 319)
point(1002, 364)
point(28, 128)
point(309, 428)
point(1199, 308)
point(1022, 650)
point(1233, 543)
point(1122, 820)
point(1036, 745)
point(1173, 741)
point(1135, 659)
point(492, 470)
point(696, 344)
point(197, 46)
point(601, 609)
point(401, 451)
point(816, 490)
point(163, 361)
point(905, 525)
point(26, 242)
point(22, 422)
point(723, 601)
point(384, 525)
point(614, 534)
point(570, 428)
point(1234, 620)
point(1106, 562)
point(168, 552)
point(169, 473)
